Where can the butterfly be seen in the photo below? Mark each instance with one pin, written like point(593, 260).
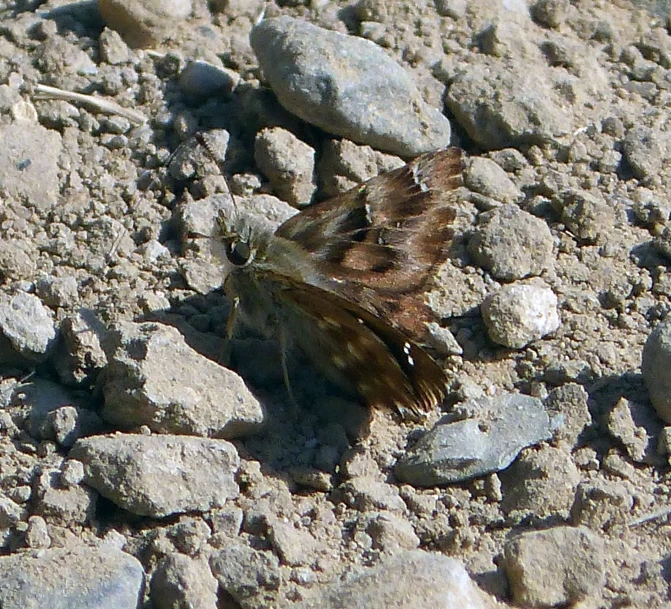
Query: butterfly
point(344, 281)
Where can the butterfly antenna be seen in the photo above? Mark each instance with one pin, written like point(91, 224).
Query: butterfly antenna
point(202, 140)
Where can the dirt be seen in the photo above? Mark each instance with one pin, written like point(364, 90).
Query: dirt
point(99, 211)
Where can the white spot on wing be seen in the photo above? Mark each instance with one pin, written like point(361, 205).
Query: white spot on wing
point(369, 213)
point(407, 347)
point(417, 179)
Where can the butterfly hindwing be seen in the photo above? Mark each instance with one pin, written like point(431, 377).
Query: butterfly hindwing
point(353, 347)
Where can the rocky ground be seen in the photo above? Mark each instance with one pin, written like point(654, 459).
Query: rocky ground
point(137, 470)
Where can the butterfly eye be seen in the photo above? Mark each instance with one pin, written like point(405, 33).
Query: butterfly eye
point(238, 252)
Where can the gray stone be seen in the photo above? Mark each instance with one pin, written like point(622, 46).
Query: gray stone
point(519, 314)
point(29, 164)
point(227, 521)
point(366, 493)
point(180, 581)
point(587, 216)
point(344, 165)
point(251, 577)
point(17, 259)
point(113, 49)
point(159, 475)
point(488, 179)
point(391, 533)
point(27, 331)
point(567, 406)
point(456, 451)
point(551, 13)
point(540, 483)
point(655, 368)
point(645, 151)
point(602, 504)
point(347, 86)
point(80, 578)
point(558, 566)
point(42, 397)
point(37, 533)
point(295, 546)
point(635, 425)
point(63, 505)
point(202, 276)
point(11, 512)
point(288, 163)
point(503, 105)
point(79, 356)
point(67, 424)
point(144, 24)
point(72, 473)
point(511, 243)
point(58, 291)
point(203, 79)
point(409, 580)
point(154, 378)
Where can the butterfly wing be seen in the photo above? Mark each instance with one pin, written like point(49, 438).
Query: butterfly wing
point(357, 349)
point(377, 244)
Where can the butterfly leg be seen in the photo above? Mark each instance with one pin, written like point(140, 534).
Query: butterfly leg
point(285, 368)
point(230, 328)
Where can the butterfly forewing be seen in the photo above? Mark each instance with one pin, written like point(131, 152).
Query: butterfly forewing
point(378, 244)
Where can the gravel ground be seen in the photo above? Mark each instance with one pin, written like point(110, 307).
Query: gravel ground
point(137, 471)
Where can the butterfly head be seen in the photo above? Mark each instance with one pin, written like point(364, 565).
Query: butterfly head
point(237, 237)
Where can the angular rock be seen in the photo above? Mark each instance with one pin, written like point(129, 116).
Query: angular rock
point(410, 580)
point(63, 505)
point(587, 216)
point(645, 151)
point(144, 24)
point(636, 426)
point(488, 179)
point(29, 164)
point(558, 566)
point(67, 424)
point(180, 581)
point(655, 367)
point(79, 356)
point(567, 406)
point(294, 546)
point(17, 259)
point(202, 79)
point(541, 482)
point(511, 243)
point(27, 332)
point(159, 475)
point(58, 291)
point(602, 504)
point(454, 452)
point(506, 105)
point(154, 378)
point(80, 578)
point(391, 533)
point(347, 86)
point(344, 165)
point(251, 577)
point(519, 314)
point(43, 397)
point(37, 533)
point(288, 163)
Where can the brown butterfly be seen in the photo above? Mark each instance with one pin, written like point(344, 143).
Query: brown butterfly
point(344, 280)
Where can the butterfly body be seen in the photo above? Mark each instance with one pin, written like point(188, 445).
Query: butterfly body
point(343, 280)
